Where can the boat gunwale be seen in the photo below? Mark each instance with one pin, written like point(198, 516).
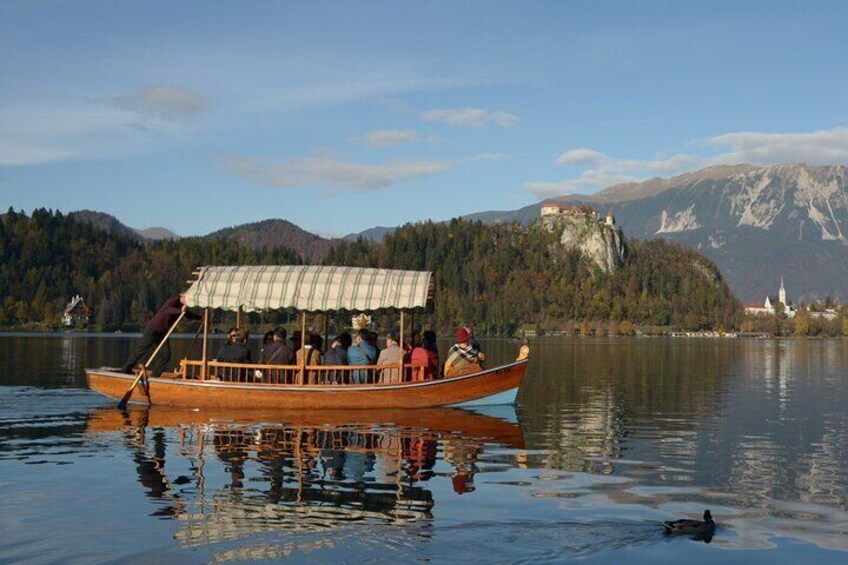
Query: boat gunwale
point(272, 387)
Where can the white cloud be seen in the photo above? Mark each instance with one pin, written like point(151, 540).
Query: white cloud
point(582, 156)
point(165, 103)
point(332, 172)
point(491, 157)
point(471, 117)
point(12, 154)
point(389, 137)
point(818, 147)
point(600, 170)
point(32, 134)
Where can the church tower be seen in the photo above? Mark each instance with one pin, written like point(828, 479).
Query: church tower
point(781, 296)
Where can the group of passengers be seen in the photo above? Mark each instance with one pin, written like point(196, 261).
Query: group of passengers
point(360, 349)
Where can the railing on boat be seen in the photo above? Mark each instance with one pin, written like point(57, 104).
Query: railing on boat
point(296, 375)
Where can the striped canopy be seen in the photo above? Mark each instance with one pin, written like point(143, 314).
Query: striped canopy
point(310, 289)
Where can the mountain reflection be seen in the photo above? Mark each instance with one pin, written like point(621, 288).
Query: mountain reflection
point(223, 477)
point(764, 419)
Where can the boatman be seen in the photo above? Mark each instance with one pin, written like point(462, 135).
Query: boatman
point(155, 332)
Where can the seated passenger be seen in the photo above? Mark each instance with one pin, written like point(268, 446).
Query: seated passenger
point(236, 349)
point(361, 353)
point(266, 339)
point(276, 352)
point(462, 357)
point(473, 343)
point(391, 355)
point(231, 337)
point(426, 355)
point(336, 356)
point(310, 356)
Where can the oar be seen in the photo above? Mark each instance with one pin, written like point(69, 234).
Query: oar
point(122, 405)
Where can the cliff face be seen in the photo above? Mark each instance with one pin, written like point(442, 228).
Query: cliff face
point(598, 242)
point(758, 224)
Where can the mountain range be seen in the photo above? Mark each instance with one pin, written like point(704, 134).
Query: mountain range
point(267, 234)
point(111, 224)
point(758, 224)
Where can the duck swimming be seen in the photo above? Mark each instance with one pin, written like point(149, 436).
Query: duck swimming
point(705, 526)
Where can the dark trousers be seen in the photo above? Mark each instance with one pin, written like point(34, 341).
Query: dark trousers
point(149, 342)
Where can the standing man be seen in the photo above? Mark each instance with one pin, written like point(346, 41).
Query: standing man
point(155, 332)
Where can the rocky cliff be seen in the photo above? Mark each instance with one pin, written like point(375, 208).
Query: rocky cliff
point(598, 242)
point(759, 224)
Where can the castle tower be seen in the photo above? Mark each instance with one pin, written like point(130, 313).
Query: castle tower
point(610, 221)
point(781, 295)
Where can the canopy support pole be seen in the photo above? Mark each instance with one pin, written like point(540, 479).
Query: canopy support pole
point(302, 363)
point(204, 369)
point(238, 317)
point(326, 331)
point(400, 361)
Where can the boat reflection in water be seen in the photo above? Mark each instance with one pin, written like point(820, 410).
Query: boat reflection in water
point(224, 476)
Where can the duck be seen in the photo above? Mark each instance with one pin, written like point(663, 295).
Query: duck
point(705, 526)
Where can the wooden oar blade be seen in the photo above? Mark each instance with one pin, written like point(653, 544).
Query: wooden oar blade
point(122, 405)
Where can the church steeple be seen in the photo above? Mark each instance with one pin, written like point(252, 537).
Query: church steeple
point(782, 293)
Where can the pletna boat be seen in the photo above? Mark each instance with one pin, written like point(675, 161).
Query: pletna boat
point(310, 290)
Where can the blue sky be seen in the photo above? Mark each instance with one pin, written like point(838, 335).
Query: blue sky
point(340, 116)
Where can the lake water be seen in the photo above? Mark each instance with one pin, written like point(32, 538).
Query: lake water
point(610, 438)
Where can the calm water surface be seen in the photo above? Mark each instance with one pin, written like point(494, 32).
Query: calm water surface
point(610, 438)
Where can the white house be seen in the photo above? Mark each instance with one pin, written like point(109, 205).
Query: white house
point(76, 313)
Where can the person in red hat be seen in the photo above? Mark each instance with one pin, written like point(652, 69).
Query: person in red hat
point(462, 357)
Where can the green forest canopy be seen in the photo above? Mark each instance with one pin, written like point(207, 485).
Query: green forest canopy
point(496, 277)
point(49, 257)
point(501, 276)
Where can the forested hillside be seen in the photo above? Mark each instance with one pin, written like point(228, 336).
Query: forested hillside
point(496, 277)
point(503, 276)
point(48, 257)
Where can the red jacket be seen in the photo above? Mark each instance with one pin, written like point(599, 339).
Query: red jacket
point(430, 360)
point(167, 314)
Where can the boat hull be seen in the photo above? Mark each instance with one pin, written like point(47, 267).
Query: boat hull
point(500, 385)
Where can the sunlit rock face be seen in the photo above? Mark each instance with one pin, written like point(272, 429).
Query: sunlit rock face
point(796, 197)
point(595, 240)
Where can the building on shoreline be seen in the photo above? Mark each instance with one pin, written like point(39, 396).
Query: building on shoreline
point(771, 302)
point(77, 313)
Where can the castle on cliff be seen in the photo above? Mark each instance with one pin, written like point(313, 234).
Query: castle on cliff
point(553, 209)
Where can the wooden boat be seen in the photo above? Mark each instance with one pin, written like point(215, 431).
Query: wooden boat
point(311, 290)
